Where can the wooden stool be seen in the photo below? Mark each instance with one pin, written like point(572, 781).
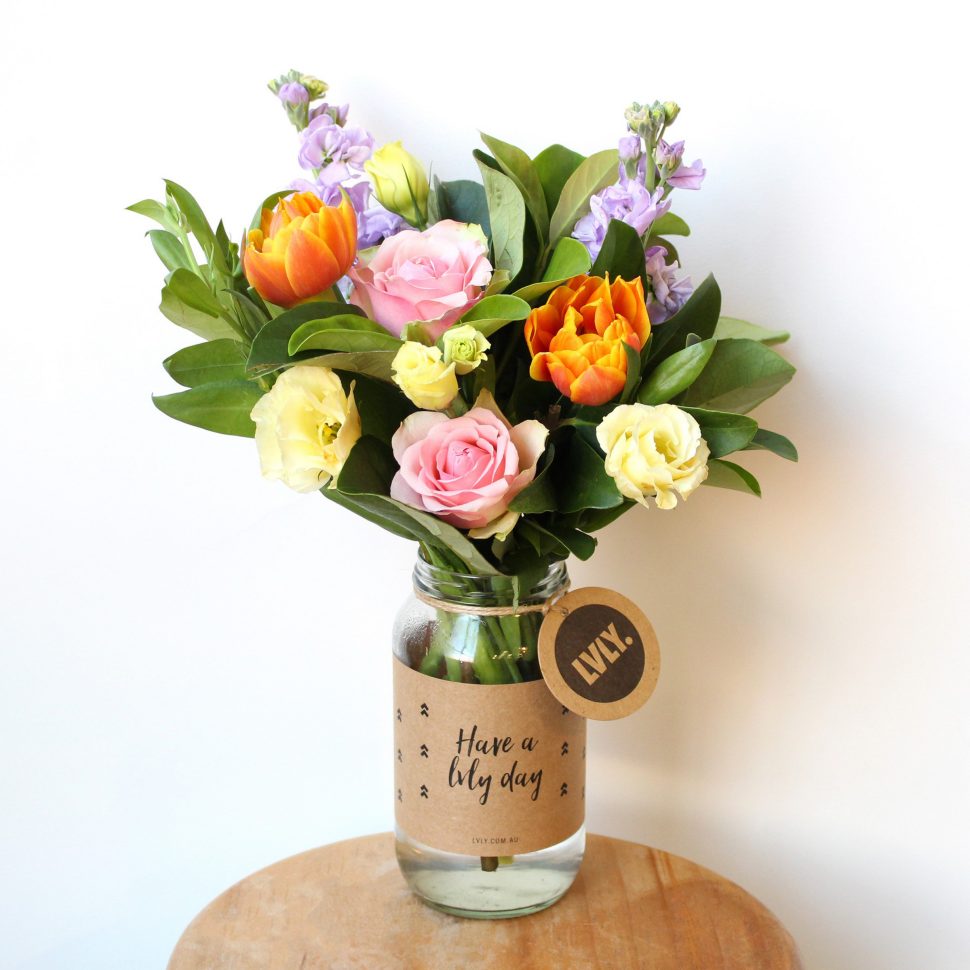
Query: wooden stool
point(346, 906)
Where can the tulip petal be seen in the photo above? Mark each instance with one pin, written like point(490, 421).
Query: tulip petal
point(539, 368)
point(337, 226)
point(310, 264)
point(597, 385)
point(562, 375)
point(266, 273)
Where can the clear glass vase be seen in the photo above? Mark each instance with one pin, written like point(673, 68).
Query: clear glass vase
point(490, 768)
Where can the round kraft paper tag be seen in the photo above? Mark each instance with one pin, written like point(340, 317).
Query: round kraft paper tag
point(598, 653)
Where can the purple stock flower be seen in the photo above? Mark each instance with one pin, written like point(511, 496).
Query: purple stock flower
point(667, 293)
point(629, 201)
point(670, 160)
point(336, 152)
point(630, 148)
point(338, 115)
point(293, 93)
point(688, 176)
point(669, 156)
point(376, 224)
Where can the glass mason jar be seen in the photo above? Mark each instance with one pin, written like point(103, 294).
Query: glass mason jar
point(490, 768)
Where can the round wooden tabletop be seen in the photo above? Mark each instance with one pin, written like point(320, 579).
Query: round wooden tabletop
point(346, 907)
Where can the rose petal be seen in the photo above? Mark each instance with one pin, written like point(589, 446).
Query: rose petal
point(414, 428)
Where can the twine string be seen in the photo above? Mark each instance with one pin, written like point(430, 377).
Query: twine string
point(449, 606)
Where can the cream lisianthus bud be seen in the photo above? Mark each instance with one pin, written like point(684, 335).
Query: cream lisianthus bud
point(465, 347)
point(425, 378)
point(400, 182)
point(305, 428)
point(653, 451)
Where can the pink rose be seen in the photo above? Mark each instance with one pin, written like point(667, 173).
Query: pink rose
point(466, 470)
point(433, 276)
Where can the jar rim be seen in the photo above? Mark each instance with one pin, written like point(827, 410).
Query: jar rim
point(499, 589)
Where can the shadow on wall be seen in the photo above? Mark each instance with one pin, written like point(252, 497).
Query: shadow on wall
point(740, 760)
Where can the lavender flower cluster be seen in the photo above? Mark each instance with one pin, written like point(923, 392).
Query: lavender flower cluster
point(650, 168)
point(334, 154)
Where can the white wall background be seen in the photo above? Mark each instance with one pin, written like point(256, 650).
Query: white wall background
point(195, 670)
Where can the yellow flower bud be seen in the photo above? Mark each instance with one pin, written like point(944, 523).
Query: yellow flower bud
point(464, 347)
point(400, 182)
point(671, 110)
point(424, 377)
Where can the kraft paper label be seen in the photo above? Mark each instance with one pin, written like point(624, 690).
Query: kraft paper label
point(598, 653)
point(486, 770)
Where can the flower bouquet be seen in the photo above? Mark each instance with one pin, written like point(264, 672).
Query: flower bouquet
point(496, 370)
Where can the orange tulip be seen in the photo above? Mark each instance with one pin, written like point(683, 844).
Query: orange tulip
point(576, 339)
point(301, 248)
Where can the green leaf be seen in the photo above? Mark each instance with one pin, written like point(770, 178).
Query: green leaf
point(519, 168)
point(730, 328)
point(428, 529)
point(252, 318)
point(381, 406)
point(725, 474)
point(739, 376)
point(223, 407)
point(212, 362)
point(698, 315)
point(534, 290)
point(676, 373)
point(724, 431)
point(351, 341)
point(559, 538)
point(632, 373)
point(540, 494)
point(341, 331)
point(529, 398)
point(494, 312)
point(368, 470)
point(498, 283)
point(363, 506)
point(622, 254)
point(669, 224)
point(480, 379)
point(592, 520)
point(776, 443)
point(570, 258)
point(417, 332)
point(526, 530)
point(226, 246)
point(372, 363)
point(464, 201)
point(169, 250)
point(554, 165)
point(270, 346)
point(197, 223)
point(193, 292)
point(506, 212)
point(582, 482)
point(593, 174)
point(582, 546)
point(157, 211)
point(189, 303)
point(483, 158)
